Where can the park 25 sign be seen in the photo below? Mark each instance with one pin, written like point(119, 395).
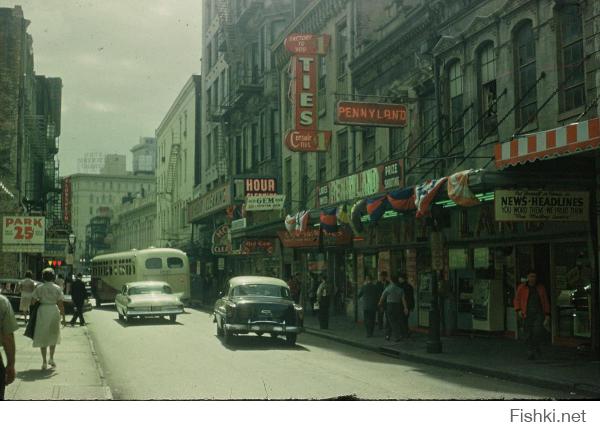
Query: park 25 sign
point(23, 234)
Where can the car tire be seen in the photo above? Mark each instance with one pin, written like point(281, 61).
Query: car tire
point(121, 318)
point(220, 331)
point(274, 335)
point(290, 339)
point(98, 303)
point(227, 336)
point(173, 318)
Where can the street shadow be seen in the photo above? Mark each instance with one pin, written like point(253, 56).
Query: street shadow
point(254, 342)
point(35, 375)
point(147, 321)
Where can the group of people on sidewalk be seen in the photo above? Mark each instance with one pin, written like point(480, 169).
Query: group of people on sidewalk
point(388, 300)
point(45, 301)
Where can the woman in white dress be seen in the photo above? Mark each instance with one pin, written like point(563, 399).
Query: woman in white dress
point(47, 325)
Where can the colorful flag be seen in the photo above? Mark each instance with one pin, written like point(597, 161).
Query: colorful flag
point(302, 219)
point(329, 220)
point(425, 194)
point(290, 223)
point(459, 191)
point(356, 213)
point(376, 208)
point(403, 199)
point(343, 216)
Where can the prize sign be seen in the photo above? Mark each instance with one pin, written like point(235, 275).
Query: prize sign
point(23, 234)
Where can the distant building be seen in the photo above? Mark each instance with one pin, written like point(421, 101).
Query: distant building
point(144, 156)
point(114, 164)
point(94, 195)
point(133, 224)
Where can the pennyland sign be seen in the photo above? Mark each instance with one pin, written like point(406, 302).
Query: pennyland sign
point(541, 205)
point(370, 114)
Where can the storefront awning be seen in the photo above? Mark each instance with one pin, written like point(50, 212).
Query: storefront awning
point(549, 144)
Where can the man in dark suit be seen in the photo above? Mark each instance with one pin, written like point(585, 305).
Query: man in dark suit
point(78, 295)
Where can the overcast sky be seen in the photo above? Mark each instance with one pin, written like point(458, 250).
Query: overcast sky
point(122, 62)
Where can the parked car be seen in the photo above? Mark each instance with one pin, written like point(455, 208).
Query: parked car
point(258, 305)
point(9, 288)
point(147, 299)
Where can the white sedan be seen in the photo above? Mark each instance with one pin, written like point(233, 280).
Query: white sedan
point(147, 299)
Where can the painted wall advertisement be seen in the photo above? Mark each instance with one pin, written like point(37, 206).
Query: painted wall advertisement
point(25, 234)
point(541, 205)
point(211, 202)
point(305, 137)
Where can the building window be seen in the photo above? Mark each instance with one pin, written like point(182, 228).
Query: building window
point(396, 141)
point(304, 179)
point(209, 55)
point(245, 149)
point(427, 121)
point(255, 145)
point(526, 75)
point(264, 147)
point(322, 167)
point(322, 84)
point(275, 136)
point(209, 156)
point(342, 48)
point(487, 89)
point(342, 140)
point(368, 147)
point(455, 82)
point(571, 59)
point(238, 154)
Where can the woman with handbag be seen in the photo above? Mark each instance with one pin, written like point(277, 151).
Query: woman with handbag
point(47, 325)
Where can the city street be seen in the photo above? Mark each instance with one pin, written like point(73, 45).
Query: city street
point(156, 359)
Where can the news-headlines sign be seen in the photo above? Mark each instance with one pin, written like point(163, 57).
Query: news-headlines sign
point(264, 203)
point(370, 114)
point(541, 205)
point(23, 234)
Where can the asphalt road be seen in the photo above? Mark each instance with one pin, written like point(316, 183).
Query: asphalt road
point(156, 359)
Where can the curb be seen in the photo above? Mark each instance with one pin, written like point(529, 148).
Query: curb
point(107, 392)
point(487, 372)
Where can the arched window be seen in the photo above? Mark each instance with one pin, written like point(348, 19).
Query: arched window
point(525, 74)
point(455, 93)
point(570, 44)
point(486, 62)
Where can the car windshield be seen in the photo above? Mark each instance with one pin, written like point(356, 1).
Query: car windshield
point(261, 290)
point(148, 290)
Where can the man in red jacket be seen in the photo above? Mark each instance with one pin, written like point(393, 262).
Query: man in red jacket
point(532, 305)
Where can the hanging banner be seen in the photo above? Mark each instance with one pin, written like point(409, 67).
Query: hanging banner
point(541, 205)
point(23, 234)
point(370, 114)
point(264, 203)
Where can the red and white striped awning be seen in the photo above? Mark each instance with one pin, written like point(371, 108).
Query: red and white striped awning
point(549, 144)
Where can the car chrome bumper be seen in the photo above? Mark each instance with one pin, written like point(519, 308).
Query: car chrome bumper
point(266, 327)
point(132, 313)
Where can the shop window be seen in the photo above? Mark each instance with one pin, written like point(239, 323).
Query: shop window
point(526, 75)
point(487, 89)
point(571, 69)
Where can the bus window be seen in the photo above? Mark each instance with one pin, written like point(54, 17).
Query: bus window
point(154, 263)
point(174, 262)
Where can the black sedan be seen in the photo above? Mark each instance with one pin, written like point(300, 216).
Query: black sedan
point(258, 305)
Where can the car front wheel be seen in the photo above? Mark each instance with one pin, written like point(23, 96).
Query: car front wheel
point(220, 331)
point(173, 317)
point(228, 335)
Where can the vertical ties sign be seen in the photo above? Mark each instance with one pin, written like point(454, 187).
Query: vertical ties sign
point(305, 137)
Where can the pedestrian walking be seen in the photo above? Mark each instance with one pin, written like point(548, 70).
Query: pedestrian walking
point(78, 295)
point(294, 285)
point(395, 304)
point(381, 284)
point(8, 325)
point(370, 296)
point(323, 299)
point(47, 326)
point(409, 299)
point(533, 309)
point(60, 282)
point(26, 287)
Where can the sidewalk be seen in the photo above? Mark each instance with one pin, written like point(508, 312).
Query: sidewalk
point(559, 368)
point(77, 375)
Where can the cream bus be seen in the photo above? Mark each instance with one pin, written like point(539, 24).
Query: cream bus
point(111, 271)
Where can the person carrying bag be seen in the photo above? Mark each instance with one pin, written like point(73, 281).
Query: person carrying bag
point(30, 328)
